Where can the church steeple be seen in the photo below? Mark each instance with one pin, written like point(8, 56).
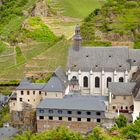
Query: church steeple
point(77, 39)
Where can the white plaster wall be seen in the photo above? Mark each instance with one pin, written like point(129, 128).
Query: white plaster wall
point(136, 111)
point(52, 95)
point(133, 69)
point(67, 90)
point(34, 99)
point(102, 90)
point(14, 106)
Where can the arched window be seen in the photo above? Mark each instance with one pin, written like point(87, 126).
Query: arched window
point(85, 81)
point(97, 82)
point(108, 80)
point(121, 79)
point(74, 77)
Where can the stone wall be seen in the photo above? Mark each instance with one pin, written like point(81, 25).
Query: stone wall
point(83, 127)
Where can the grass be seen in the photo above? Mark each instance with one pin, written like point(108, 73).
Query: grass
point(75, 8)
point(50, 59)
point(38, 31)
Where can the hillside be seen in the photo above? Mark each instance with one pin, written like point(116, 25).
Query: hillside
point(31, 28)
point(117, 22)
point(74, 8)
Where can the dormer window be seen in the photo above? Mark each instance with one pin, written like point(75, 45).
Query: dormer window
point(109, 56)
point(87, 56)
point(134, 61)
point(96, 66)
point(120, 66)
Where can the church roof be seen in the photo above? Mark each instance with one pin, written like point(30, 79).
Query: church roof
point(74, 103)
point(98, 58)
point(121, 88)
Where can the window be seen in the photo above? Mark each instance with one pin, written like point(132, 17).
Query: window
point(79, 112)
point(78, 119)
point(69, 112)
point(59, 111)
point(45, 93)
point(41, 117)
point(50, 118)
point(88, 113)
point(41, 111)
point(74, 77)
point(60, 118)
point(28, 100)
point(124, 97)
point(22, 92)
point(20, 99)
point(39, 92)
point(114, 97)
point(97, 82)
point(33, 92)
point(28, 92)
point(69, 119)
point(98, 113)
point(114, 107)
point(98, 120)
point(50, 111)
point(121, 107)
point(121, 79)
point(85, 81)
point(88, 119)
point(34, 100)
point(108, 80)
point(126, 108)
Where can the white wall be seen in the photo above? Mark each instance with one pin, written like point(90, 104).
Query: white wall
point(102, 90)
point(136, 111)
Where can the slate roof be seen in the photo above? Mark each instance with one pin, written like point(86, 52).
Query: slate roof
point(30, 86)
point(60, 73)
point(121, 89)
point(77, 103)
point(98, 58)
point(57, 83)
point(3, 99)
point(54, 85)
point(7, 132)
point(134, 54)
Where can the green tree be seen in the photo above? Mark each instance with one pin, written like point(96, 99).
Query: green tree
point(121, 121)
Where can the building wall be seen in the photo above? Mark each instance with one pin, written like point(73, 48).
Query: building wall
point(82, 127)
point(14, 106)
point(136, 112)
point(52, 95)
point(120, 101)
point(91, 89)
point(86, 120)
point(34, 98)
point(74, 113)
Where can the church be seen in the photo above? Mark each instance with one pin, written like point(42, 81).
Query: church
point(90, 69)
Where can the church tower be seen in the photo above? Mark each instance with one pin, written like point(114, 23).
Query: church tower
point(77, 39)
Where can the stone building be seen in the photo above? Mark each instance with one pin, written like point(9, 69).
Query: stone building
point(32, 93)
point(79, 113)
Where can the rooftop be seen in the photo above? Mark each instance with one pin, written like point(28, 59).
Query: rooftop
point(7, 132)
point(121, 89)
point(98, 58)
point(74, 103)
